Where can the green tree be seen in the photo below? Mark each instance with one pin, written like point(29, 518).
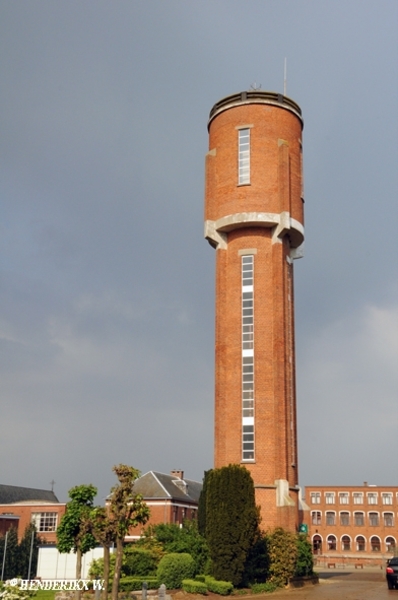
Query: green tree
point(25, 548)
point(127, 510)
point(103, 527)
point(9, 545)
point(282, 553)
point(73, 532)
point(305, 558)
point(232, 521)
point(184, 539)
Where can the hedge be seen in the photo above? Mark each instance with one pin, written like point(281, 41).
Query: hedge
point(224, 588)
point(129, 584)
point(193, 586)
point(175, 567)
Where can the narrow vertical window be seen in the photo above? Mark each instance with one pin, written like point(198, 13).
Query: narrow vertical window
point(244, 156)
point(247, 358)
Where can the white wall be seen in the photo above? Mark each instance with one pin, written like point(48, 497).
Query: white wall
point(53, 565)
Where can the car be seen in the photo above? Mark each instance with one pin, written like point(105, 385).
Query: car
point(392, 573)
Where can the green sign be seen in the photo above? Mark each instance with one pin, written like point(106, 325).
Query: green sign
point(303, 528)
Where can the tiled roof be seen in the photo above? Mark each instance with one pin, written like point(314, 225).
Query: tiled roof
point(160, 485)
point(10, 494)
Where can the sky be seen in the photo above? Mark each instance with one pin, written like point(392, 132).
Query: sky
point(107, 284)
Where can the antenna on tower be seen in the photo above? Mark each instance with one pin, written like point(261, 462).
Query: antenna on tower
point(285, 78)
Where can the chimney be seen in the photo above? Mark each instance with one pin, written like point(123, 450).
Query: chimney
point(365, 483)
point(178, 474)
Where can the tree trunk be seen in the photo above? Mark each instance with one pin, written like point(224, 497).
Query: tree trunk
point(106, 572)
point(78, 571)
point(118, 568)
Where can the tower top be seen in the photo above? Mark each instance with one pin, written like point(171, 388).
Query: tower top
point(255, 97)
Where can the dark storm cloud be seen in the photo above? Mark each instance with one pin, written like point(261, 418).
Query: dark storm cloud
point(106, 319)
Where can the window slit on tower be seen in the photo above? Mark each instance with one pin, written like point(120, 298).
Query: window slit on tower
point(244, 157)
point(247, 358)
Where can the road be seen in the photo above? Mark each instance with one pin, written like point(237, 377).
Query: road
point(342, 585)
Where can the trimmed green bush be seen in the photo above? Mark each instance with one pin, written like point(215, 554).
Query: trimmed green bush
point(129, 584)
point(200, 578)
point(175, 567)
point(224, 588)
point(139, 561)
point(192, 586)
point(261, 588)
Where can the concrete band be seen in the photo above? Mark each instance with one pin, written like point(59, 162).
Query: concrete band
point(215, 231)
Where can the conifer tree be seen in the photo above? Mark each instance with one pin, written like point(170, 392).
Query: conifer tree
point(232, 521)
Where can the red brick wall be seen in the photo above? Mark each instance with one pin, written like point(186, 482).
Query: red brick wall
point(25, 511)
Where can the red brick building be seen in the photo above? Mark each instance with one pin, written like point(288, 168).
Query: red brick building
point(254, 219)
point(353, 524)
point(171, 498)
point(20, 506)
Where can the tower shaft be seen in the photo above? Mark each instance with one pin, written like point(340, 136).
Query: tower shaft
point(254, 219)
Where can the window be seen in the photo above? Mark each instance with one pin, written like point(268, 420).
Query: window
point(375, 544)
point(360, 543)
point(359, 519)
point(315, 497)
point(244, 157)
point(332, 542)
point(247, 271)
point(372, 497)
point(388, 519)
point(330, 518)
point(344, 518)
point(317, 544)
point(358, 497)
point(386, 498)
point(345, 543)
point(329, 497)
point(316, 517)
point(390, 544)
point(46, 521)
point(344, 497)
point(374, 519)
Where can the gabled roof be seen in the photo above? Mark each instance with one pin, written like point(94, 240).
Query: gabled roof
point(11, 494)
point(154, 485)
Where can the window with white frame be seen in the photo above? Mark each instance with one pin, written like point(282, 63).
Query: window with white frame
point(357, 497)
point(390, 544)
point(45, 521)
point(247, 358)
point(344, 497)
point(388, 518)
point(375, 544)
point(316, 517)
point(331, 542)
point(315, 497)
point(372, 497)
point(361, 543)
point(346, 543)
point(359, 519)
point(329, 496)
point(244, 156)
point(344, 518)
point(330, 518)
point(386, 498)
point(374, 519)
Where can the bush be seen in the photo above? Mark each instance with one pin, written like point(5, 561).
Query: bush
point(200, 578)
point(305, 558)
point(129, 584)
point(261, 588)
point(173, 568)
point(224, 588)
point(193, 586)
point(139, 561)
point(282, 552)
point(96, 570)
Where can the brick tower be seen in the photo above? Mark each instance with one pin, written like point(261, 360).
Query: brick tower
point(254, 219)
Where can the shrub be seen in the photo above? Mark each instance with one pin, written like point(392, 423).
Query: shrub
point(129, 584)
point(96, 570)
point(139, 561)
point(173, 568)
point(261, 588)
point(224, 588)
point(200, 578)
point(282, 552)
point(305, 559)
point(193, 586)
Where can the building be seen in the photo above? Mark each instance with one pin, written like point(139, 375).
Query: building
point(353, 524)
point(254, 220)
point(171, 499)
point(20, 506)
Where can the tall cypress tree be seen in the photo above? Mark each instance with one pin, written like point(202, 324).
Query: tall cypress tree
point(232, 521)
point(25, 548)
point(12, 554)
